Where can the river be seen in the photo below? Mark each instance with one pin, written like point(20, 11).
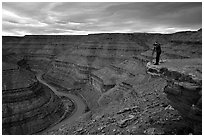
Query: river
point(80, 106)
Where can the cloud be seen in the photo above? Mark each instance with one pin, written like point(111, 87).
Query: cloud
point(84, 18)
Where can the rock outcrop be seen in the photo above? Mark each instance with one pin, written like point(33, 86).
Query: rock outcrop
point(184, 87)
point(27, 106)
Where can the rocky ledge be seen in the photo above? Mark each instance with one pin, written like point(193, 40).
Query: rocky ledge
point(184, 87)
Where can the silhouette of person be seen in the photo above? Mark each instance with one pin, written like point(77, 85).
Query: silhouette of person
point(157, 48)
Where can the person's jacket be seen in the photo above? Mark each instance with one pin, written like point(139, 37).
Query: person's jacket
point(157, 48)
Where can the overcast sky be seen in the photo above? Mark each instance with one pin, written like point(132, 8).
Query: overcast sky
point(85, 18)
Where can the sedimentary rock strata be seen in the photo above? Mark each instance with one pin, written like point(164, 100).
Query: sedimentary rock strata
point(28, 106)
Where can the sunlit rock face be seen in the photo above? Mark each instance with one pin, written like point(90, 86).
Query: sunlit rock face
point(27, 106)
point(184, 87)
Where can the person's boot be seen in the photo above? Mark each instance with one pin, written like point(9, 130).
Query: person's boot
point(156, 63)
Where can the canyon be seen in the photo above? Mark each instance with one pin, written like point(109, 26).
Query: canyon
point(27, 105)
point(119, 89)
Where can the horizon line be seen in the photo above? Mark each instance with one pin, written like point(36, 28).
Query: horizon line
point(99, 33)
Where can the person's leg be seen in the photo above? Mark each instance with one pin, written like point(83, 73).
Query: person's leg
point(157, 59)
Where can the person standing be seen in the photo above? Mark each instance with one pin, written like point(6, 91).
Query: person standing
point(157, 49)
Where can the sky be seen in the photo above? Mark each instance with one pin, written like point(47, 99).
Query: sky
point(69, 18)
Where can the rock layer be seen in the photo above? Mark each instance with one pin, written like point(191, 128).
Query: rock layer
point(28, 106)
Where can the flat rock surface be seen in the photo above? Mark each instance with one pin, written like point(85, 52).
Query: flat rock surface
point(191, 67)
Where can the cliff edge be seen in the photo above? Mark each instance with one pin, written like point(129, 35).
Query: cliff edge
point(184, 87)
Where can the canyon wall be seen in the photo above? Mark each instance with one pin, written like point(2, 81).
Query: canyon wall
point(27, 106)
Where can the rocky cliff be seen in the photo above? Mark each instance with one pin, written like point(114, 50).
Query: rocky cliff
point(184, 87)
